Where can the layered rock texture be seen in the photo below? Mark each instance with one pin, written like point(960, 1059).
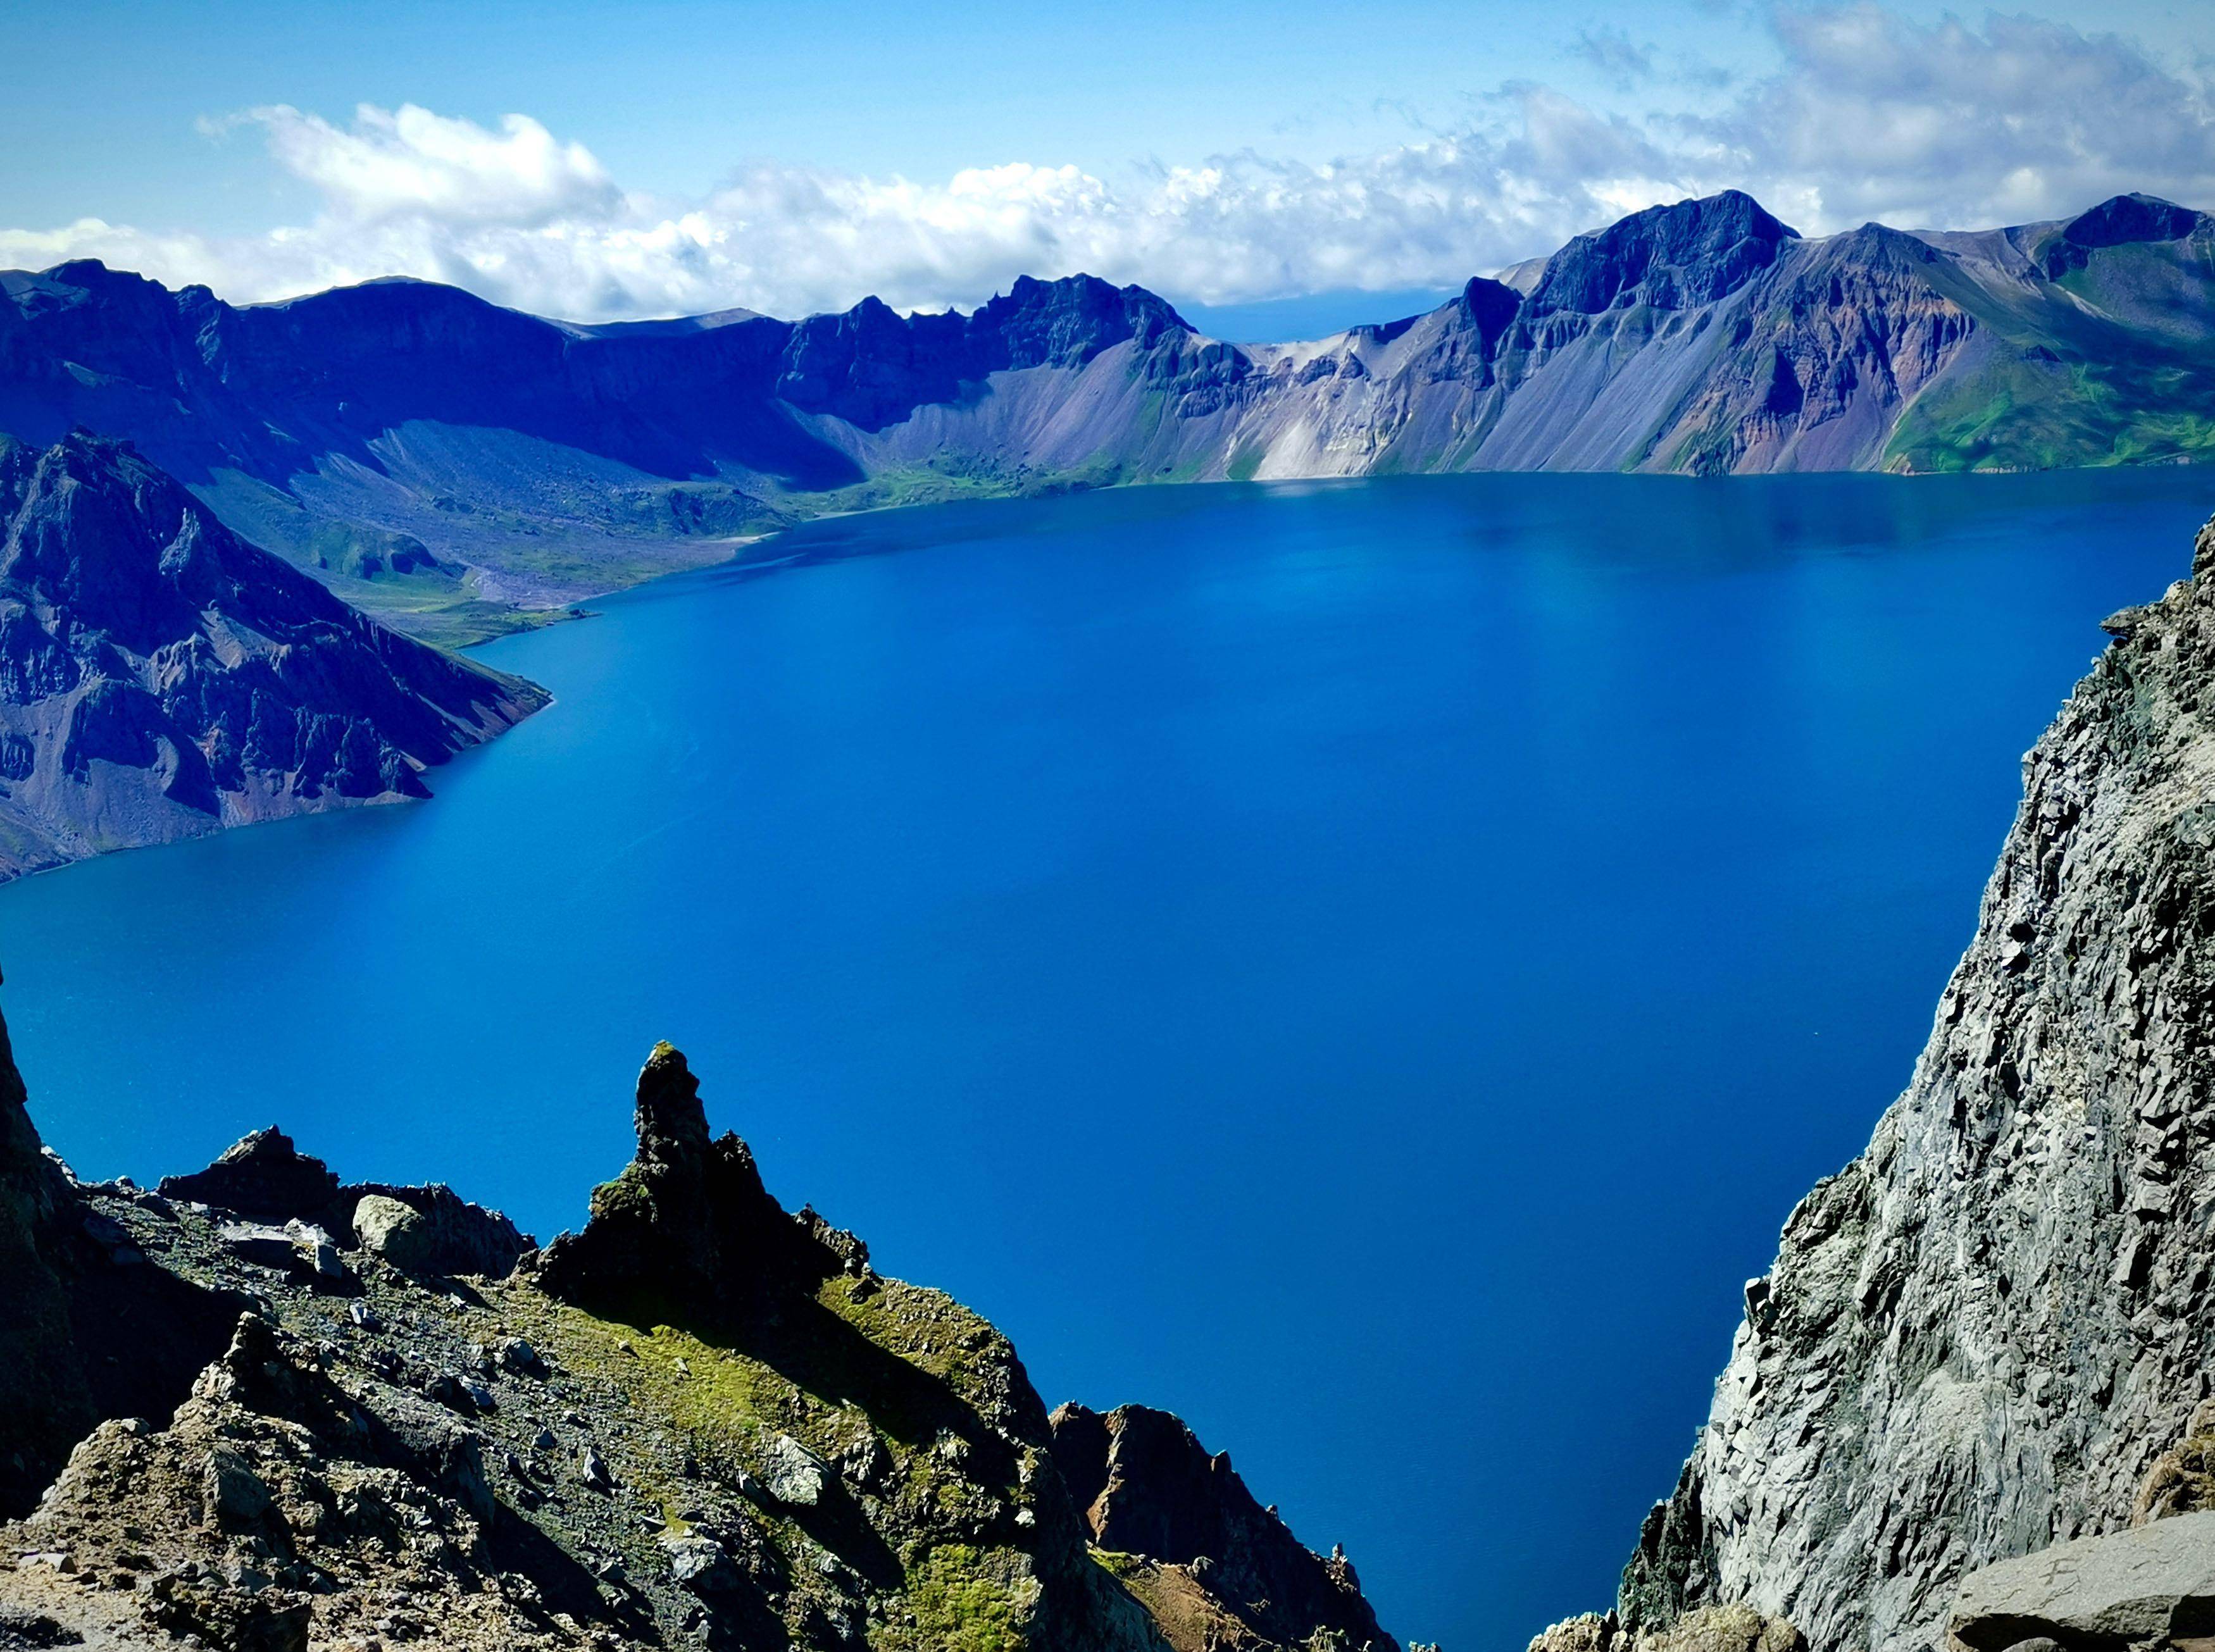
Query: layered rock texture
point(2149, 1587)
point(160, 678)
point(363, 1415)
point(1978, 1336)
point(458, 467)
point(1704, 1628)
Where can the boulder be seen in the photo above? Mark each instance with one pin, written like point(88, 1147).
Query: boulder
point(236, 1498)
point(792, 1473)
point(1733, 1628)
point(515, 1354)
point(316, 1249)
point(2143, 1587)
point(2182, 1478)
point(1590, 1631)
point(433, 1231)
point(390, 1229)
point(271, 1247)
point(702, 1566)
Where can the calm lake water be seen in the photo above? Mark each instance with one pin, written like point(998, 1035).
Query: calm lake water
point(1369, 967)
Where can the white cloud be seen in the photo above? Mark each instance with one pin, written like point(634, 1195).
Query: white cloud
point(405, 161)
point(1869, 114)
point(1948, 125)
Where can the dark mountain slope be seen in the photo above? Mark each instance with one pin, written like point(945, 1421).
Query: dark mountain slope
point(160, 678)
point(1845, 339)
point(43, 1391)
point(397, 437)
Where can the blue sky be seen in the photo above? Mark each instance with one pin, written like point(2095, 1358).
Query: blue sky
point(601, 161)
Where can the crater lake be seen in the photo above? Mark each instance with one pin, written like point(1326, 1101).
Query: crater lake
point(1365, 966)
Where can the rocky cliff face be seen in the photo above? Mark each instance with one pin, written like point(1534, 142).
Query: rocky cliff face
point(360, 1415)
point(1219, 1572)
point(160, 678)
point(42, 1383)
point(452, 464)
point(1977, 1336)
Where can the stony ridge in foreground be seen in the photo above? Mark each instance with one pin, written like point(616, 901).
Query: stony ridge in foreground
point(702, 1421)
point(1977, 1337)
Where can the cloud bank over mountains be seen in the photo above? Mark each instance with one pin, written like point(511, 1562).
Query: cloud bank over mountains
point(1870, 114)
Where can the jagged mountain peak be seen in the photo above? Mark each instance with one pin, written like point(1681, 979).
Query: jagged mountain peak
point(1144, 1486)
point(1031, 289)
point(688, 1228)
point(90, 274)
point(1067, 321)
point(1729, 210)
point(1690, 252)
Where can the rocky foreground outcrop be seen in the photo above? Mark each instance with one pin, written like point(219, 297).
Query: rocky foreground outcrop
point(1978, 1337)
point(42, 1385)
point(161, 678)
point(2150, 1588)
point(364, 1415)
point(1215, 1568)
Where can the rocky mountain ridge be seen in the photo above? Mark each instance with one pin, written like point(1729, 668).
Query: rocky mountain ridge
point(458, 467)
point(358, 1416)
point(1979, 1338)
point(161, 678)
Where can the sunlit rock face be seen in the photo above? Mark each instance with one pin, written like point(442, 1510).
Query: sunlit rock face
point(1977, 1336)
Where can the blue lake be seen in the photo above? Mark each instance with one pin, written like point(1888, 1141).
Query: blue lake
point(1369, 967)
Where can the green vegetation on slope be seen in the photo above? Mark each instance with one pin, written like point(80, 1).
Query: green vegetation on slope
point(2032, 414)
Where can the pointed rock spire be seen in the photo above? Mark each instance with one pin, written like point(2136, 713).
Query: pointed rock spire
point(672, 1123)
point(687, 1232)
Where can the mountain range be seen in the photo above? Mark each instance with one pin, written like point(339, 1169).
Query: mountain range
point(459, 468)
